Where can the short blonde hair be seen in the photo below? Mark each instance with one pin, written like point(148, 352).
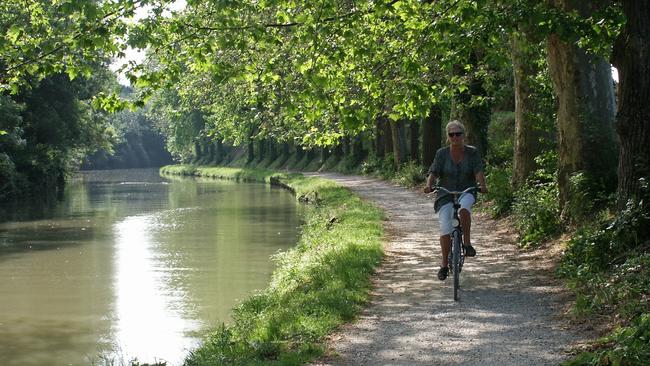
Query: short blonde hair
point(455, 123)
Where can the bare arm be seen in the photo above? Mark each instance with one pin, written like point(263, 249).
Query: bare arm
point(431, 179)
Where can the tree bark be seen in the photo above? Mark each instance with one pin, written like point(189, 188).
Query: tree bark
point(380, 145)
point(431, 135)
point(475, 116)
point(415, 141)
point(388, 136)
point(527, 136)
point(632, 59)
point(397, 156)
point(586, 110)
point(250, 150)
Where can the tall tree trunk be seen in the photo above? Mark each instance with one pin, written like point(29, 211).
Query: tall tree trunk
point(198, 153)
point(403, 141)
point(527, 135)
point(250, 150)
point(415, 141)
point(300, 152)
point(356, 149)
point(324, 155)
point(474, 115)
point(584, 87)
point(380, 144)
point(431, 135)
point(394, 132)
point(388, 135)
point(632, 59)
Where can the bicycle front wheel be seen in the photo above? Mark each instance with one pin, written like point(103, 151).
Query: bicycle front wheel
point(456, 250)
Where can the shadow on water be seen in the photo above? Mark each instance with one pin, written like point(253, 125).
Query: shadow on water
point(37, 238)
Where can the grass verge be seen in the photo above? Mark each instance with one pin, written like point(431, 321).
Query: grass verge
point(319, 284)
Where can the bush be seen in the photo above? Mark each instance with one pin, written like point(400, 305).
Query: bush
point(607, 265)
point(632, 347)
point(382, 167)
point(536, 205)
point(587, 195)
point(537, 213)
point(410, 174)
point(609, 243)
point(500, 137)
point(501, 194)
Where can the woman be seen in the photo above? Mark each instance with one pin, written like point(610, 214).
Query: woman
point(457, 167)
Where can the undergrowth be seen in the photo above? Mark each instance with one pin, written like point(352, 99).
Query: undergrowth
point(607, 265)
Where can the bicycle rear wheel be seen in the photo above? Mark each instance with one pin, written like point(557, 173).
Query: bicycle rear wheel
point(456, 250)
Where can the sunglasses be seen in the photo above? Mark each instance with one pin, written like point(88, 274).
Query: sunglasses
point(455, 134)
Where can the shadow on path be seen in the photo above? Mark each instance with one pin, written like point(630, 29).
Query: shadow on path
point(508, 313)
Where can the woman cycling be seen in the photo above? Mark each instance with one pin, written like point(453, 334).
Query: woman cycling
point(456, 167)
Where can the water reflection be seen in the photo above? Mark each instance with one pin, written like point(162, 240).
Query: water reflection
point(130, 268)
point(150, 323)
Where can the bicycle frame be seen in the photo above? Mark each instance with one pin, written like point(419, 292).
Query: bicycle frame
point(456, 253)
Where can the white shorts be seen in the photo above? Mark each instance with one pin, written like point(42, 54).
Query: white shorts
point(446, 212)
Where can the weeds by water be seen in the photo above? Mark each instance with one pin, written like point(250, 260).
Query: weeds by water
point(319, 284)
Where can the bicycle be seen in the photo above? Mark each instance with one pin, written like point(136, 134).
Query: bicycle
point(457, 252)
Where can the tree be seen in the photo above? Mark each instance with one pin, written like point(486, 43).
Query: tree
point(586, 110)
point(527, 137)
point(632, 60)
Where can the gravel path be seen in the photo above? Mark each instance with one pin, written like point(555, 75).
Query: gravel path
point(509, 311)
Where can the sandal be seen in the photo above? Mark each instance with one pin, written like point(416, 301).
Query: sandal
point(443, 272)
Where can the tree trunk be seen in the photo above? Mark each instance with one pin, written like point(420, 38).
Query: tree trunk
point(527, 136)
point(584, 87)
point(250, 147)
point(380, 145)
point(388, 135)
point(415, 141)
point(476, 119)
point(394, 132)
point(431, 135)
point(403, 141)
point(324, 155)
point(473, 114)
point(632, 59)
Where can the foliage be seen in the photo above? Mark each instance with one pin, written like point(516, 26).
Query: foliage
point(607, 265)
point(40, 38)
point(318, 285)
point(536, 205)
point(410, 174)
point(609, 242)
point(50, 128)
point(500, 137)
point(501, 194)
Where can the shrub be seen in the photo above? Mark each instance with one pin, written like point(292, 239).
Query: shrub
point(382, 167)
point(536, 205)
point(501, 193)
point(410, 174)
point(607, 265)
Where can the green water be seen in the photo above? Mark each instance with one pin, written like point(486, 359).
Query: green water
point(130, 265)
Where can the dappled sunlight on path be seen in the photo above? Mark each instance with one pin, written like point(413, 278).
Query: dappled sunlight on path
point(509, 307)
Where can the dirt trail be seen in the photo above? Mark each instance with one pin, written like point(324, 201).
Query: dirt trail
point(509, 309)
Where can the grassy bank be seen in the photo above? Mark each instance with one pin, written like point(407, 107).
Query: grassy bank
point(319, 284)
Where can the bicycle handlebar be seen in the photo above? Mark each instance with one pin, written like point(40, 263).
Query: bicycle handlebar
point(456, 193)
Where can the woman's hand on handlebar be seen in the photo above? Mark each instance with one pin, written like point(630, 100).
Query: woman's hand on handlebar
point(427, 189)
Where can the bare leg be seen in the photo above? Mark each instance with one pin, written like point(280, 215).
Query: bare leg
point(445, 245)
point(466, 224)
